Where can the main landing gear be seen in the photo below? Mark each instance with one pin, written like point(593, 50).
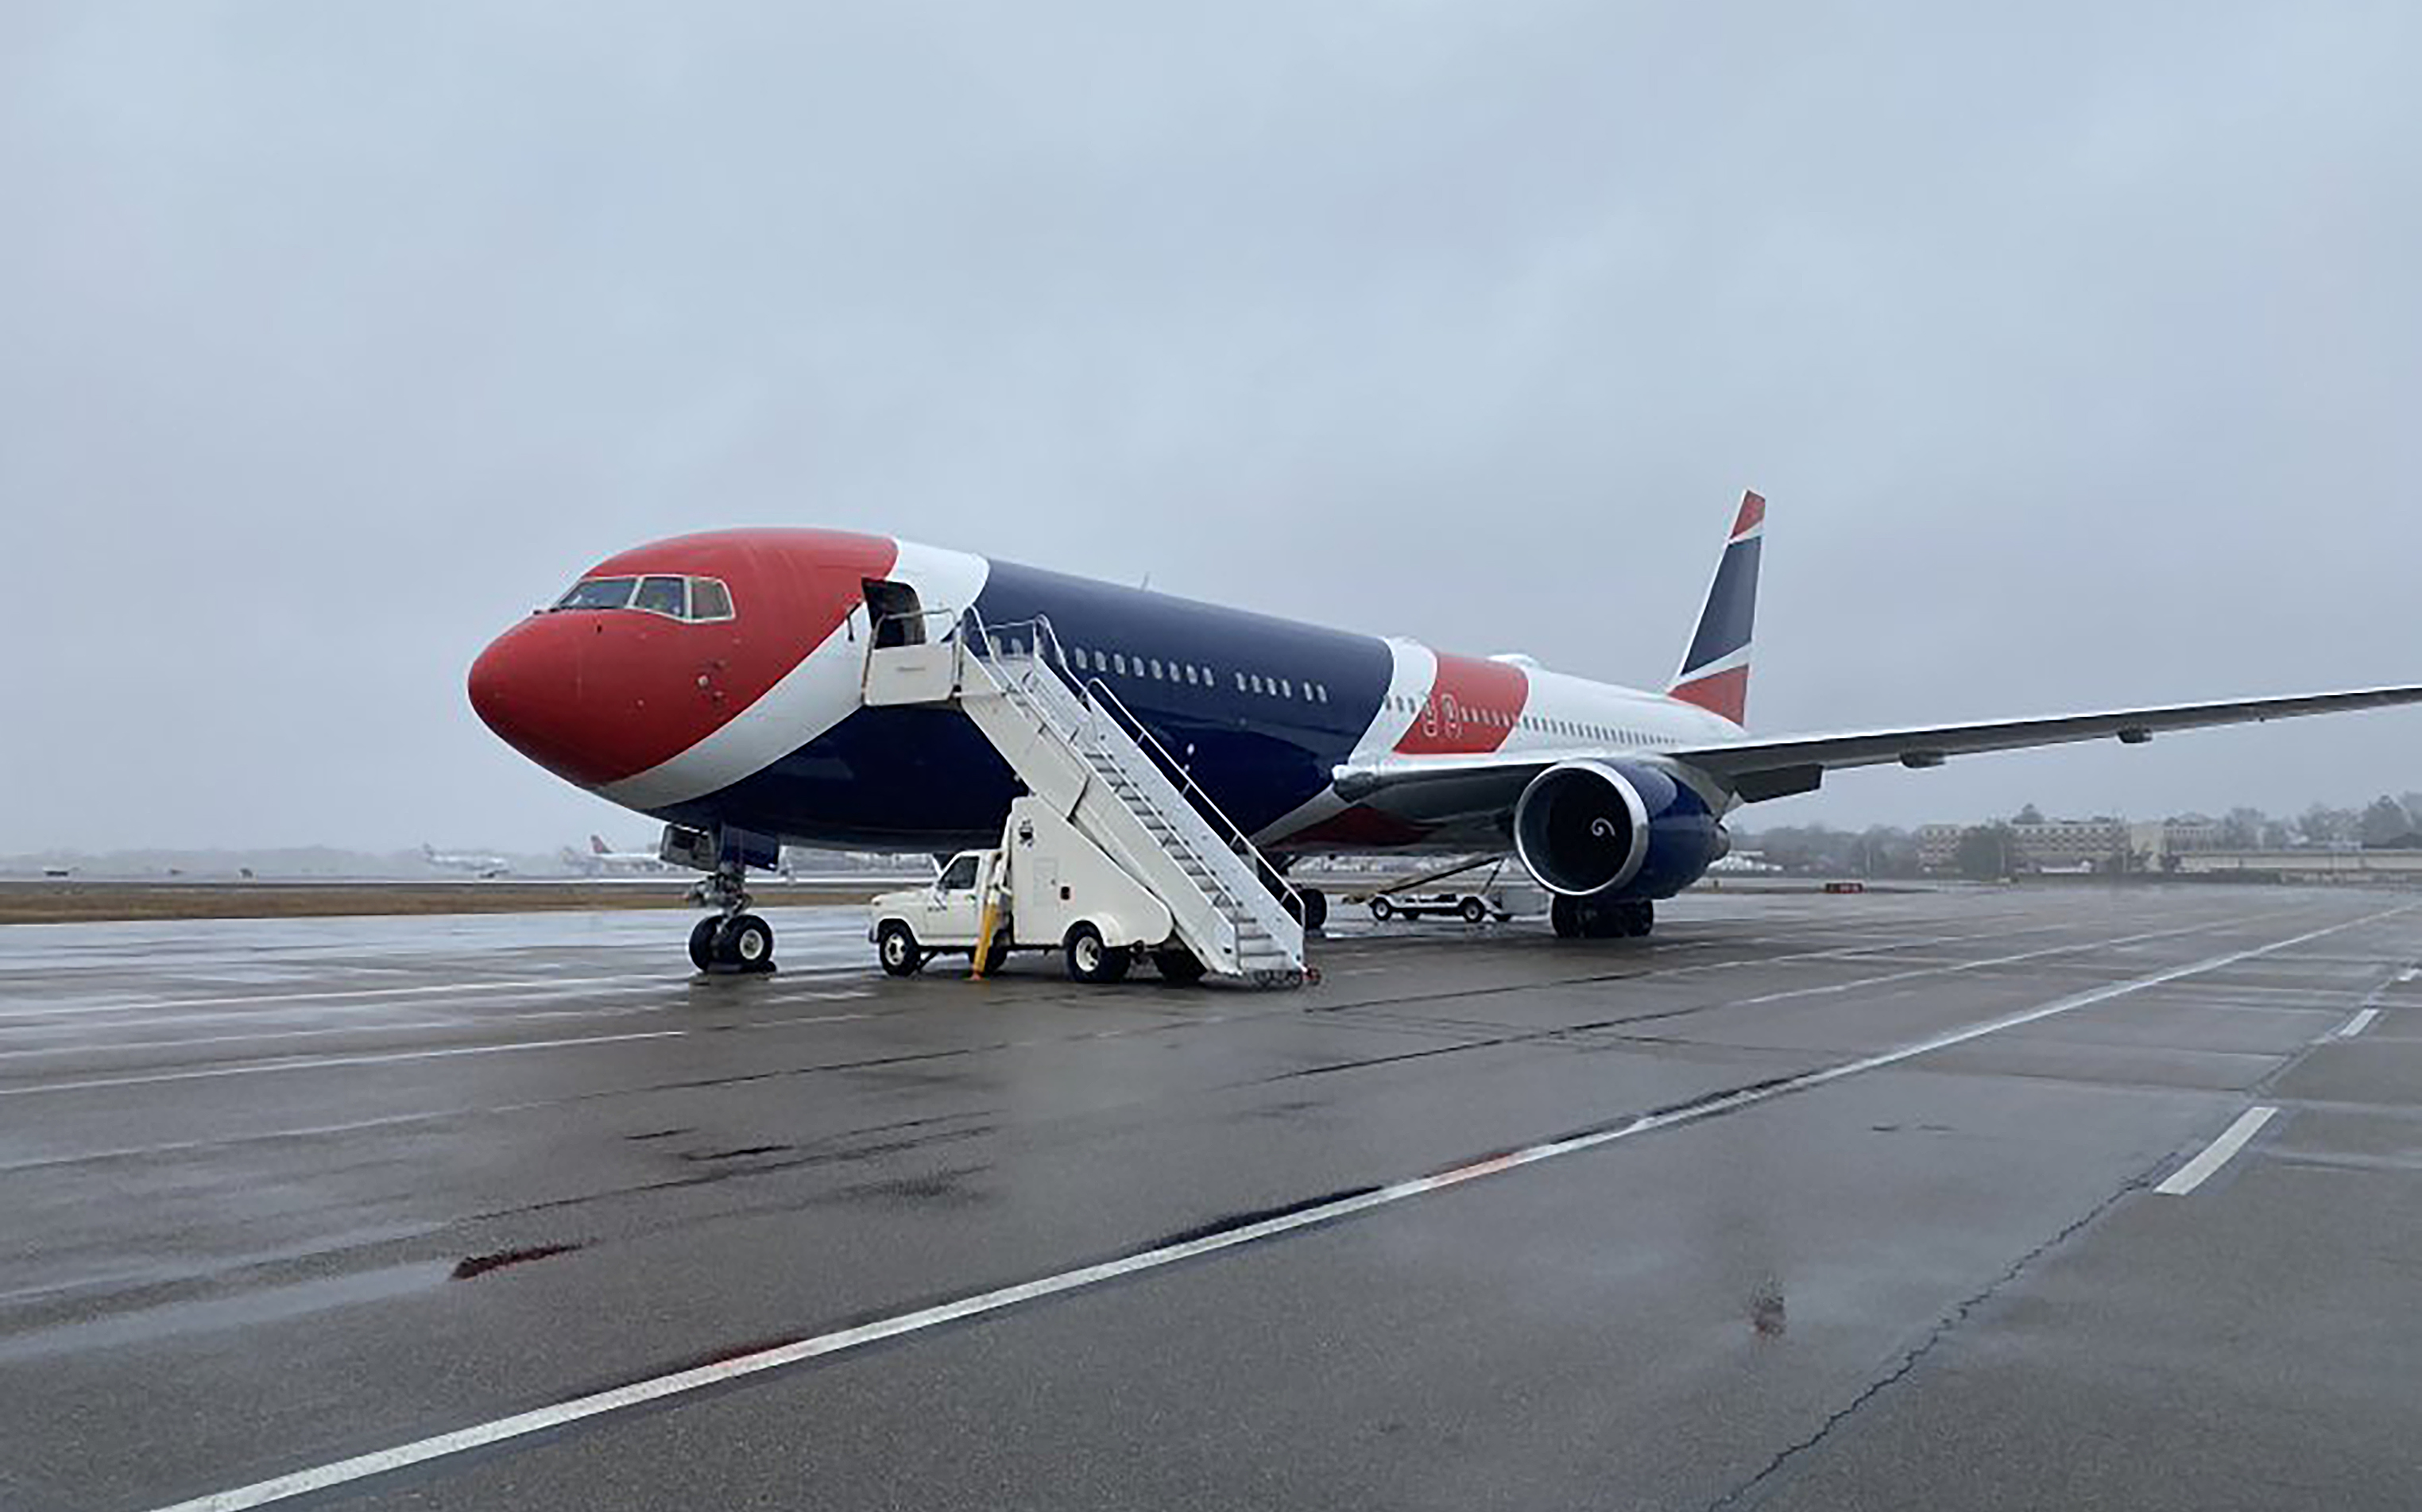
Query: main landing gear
point(1593, 919)
point(731, 939)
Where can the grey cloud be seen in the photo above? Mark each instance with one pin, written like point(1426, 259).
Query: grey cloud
point(2075, 347)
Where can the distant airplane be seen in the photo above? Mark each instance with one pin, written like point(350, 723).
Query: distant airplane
point(601, 859)
point(463, 862)
point(715, 681)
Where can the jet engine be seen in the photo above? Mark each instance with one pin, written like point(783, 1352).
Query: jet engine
point(1614, 828)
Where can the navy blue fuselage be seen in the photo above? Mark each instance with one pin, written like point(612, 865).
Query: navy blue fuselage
point(925, 779)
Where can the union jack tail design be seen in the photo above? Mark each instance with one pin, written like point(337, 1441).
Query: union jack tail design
point(1715, 670)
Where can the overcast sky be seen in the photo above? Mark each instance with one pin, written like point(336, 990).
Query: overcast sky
point(2078, 348)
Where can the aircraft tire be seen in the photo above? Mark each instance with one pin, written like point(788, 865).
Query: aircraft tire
point(1089, 960)
point(895, 946)
point(1565, 914)
point(701, 942)
point(1315, 908)
point(745, 943)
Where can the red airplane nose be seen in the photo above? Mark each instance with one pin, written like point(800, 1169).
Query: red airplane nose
point(555, 689)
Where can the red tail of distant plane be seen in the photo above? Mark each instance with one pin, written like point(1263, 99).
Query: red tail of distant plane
point(597, 846)
point(1715, 670)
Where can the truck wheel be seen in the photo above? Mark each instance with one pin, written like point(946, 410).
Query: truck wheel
point(1382, 909)
point(997, 956)
point(1472, 909)
point(1177, 963)
point(1089, 960)
point(895, 946)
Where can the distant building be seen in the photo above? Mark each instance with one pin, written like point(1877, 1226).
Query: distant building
point(1938, 846)
point(2156, 844)
point(2099, 844)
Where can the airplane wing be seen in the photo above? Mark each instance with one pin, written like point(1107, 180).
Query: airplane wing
point(1773, 768)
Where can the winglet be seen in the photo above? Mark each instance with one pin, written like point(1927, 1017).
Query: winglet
point(1715, 670)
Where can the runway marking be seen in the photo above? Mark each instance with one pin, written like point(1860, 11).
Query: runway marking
point(155, 1003)
point(681, 1382)
point(633, 983)
point(2187, 1177)
point(1986, 964)
point(2360, 1021)
point(319, 1062)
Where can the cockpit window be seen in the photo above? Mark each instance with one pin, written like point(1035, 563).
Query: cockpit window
point(599, 593)
point(663, 595)
point(676, 598)
point(709, 599)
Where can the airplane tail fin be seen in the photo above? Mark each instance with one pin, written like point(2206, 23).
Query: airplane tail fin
point(597, 846)
point(1715, 670)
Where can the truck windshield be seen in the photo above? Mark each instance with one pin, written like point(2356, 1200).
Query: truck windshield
point(959, 875)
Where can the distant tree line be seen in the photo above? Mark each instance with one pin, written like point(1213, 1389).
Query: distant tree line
point(1991, 850)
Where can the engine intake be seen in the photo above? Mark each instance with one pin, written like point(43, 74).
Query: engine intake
point(1587, 828)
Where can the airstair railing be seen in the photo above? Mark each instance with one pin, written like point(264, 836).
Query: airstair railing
point(1054, 660)
point(1268, 875)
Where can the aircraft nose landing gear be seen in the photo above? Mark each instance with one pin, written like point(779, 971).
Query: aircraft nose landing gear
point(732, 939)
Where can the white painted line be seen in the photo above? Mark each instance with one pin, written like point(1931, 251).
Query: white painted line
point(2360, 1021)
point(139, 1004)
point(2187, 1177)
point(540, 1420)
point(317, 1063)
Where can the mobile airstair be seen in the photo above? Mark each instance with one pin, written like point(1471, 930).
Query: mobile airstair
point(1076, 745)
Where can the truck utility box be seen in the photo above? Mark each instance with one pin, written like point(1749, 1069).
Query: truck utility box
point(1045, 887)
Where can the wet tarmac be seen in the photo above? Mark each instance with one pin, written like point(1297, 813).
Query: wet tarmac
point(1951, 1199)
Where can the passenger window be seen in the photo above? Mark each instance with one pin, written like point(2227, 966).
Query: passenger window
point(599, 593)
point(1240, 682)
point(1119, 659)
point(1077, 658)
point(1155, 668)
point(1287, 688)
point(709, 599)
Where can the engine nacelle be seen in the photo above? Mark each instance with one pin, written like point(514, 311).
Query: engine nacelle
point(1620, 828)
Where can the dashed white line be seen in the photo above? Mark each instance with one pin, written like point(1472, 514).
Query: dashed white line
point(2360, 1021)
point(597, 1404)
point(2187, 1177)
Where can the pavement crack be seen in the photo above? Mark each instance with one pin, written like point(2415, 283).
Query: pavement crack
point(1741, 1495)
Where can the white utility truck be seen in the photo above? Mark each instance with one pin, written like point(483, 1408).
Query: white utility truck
point(1045, 887)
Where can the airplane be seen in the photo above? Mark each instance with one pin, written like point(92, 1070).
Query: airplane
point(481, 866)
point(714, 681)
point(602, 859)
